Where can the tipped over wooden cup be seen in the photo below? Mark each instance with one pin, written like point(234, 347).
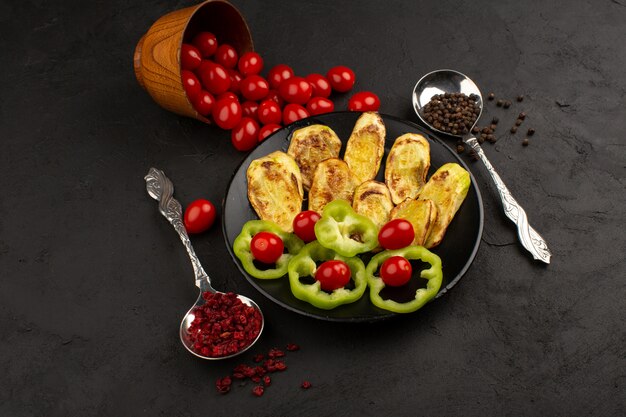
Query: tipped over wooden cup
point(157, 54)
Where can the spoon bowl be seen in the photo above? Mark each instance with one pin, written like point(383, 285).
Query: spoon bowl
point(441, 82)
point(161, 189)
point(450, 81)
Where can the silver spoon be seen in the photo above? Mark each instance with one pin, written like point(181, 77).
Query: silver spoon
point(161, 189)
point(450, 81)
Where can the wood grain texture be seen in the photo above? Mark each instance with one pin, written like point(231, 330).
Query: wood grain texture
point(157, 55)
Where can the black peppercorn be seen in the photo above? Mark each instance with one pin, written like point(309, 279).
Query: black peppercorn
point(506, 104)
point(514, 129)
point(522, 116)
point(520, 98)
point(525, 142)
point(518, 122)
point(491, 96)
point(495, 120)
point(531, 132)
point(499, 103)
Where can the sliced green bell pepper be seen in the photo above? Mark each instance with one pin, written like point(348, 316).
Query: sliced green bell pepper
point(345, 231)
point(434, 275)
point(303, 264)
point(241, 248)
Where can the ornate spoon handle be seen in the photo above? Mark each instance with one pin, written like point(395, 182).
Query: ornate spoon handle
point(161, 189)
point(529, 237)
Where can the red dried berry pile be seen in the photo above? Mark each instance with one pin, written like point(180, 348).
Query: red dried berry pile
point(258, 373)
point(229, 90)
point(223, 325)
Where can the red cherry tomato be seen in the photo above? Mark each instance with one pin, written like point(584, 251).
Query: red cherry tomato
point(191, 85)
point(227, 94)
point(250, 109)
point(295, 90)
point(199, 216)
point(245, 135)
point(226, 56)
point(190, 57)
point(341, 78)
point(333, 275)
point(254, 87)
point(203, 102)
point(273, 95)
point(278, 74)
point(214, 78)
point(293, 112)
point(235, 81)
point(364, 101)
point(396, 234)
point(267, 130)
point(227, 113)
point(303, 225)
point(269, 112)
point(396, 271)
point(206, 42)
point(319, 105)
point(321, 86)
point(250, 63)
point(266, 247)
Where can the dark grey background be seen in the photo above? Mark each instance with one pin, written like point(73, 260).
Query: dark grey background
point(94, 281)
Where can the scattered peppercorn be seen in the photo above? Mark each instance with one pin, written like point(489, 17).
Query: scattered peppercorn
point(460, 148)
point(453, 113)
point(531, 132)
point(492, 127)
point(499, 103)
point(522, 116)
point(473, 155)
point(495, 120)
point(491, 138)
point(506, 104)
point(518, 122)
point(520, 98)
point(525, 142)
point(491, 96)
point(482, 138)
point(513, 129)
point(475, 129)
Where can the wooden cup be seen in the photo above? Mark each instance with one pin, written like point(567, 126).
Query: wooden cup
point(157, 54)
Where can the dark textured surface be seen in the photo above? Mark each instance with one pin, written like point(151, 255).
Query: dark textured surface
point(94, 282)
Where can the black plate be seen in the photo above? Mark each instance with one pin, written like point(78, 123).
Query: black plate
point(457, 250)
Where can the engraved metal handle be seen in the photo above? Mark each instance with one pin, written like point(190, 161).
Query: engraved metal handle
point(529, 237)
point(161, 189)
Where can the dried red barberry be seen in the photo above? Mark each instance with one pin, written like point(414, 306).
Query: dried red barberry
point(258, 390)
point(292, 347)
point(305, 385)
point(275, 353)
point(267, 381)
point(258, 358)
point(223, 384)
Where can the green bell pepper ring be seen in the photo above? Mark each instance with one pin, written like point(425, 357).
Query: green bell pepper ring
point(241, 248)
point(434, 275)
point(303, 264)
point(343, 230)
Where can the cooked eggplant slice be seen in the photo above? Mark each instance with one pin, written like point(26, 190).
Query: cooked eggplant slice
point(422, 214)
point(447, 188)
point(332, 180)
point(407, 165)
point(275, 188)
point(371, 199)
point(311, 145)
point(366, 146)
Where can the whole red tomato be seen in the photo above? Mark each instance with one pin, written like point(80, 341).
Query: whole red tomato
point(278, 74)
point(341, 78)
point(267, 130)
point(250, 63)
point(226, 56)
point(304, 225)
point(227, 113)
point(245, 135)
point(293, 112)
point(319, 105)
point(214, 77)
point(206, 42)
point(333, 275)
point(396, 234)
point(203, 102)
point(295, 90)
point(364, 101)
point(396, 271)
point(227, 94)
point(269, 112)
point(266, 247)
point(250, 109)
point(235, 80)
point(321, 86)
point(273, 95)
point(191, 85)
point(190, 57)
point(254, 87)
point(199, 216)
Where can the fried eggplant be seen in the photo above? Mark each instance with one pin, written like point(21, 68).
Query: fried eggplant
point(422, 214)
point(275, 188)
point(407, 165)
point(366, 146)
point(311, 145)
point(332, 180)
point(372, 199)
